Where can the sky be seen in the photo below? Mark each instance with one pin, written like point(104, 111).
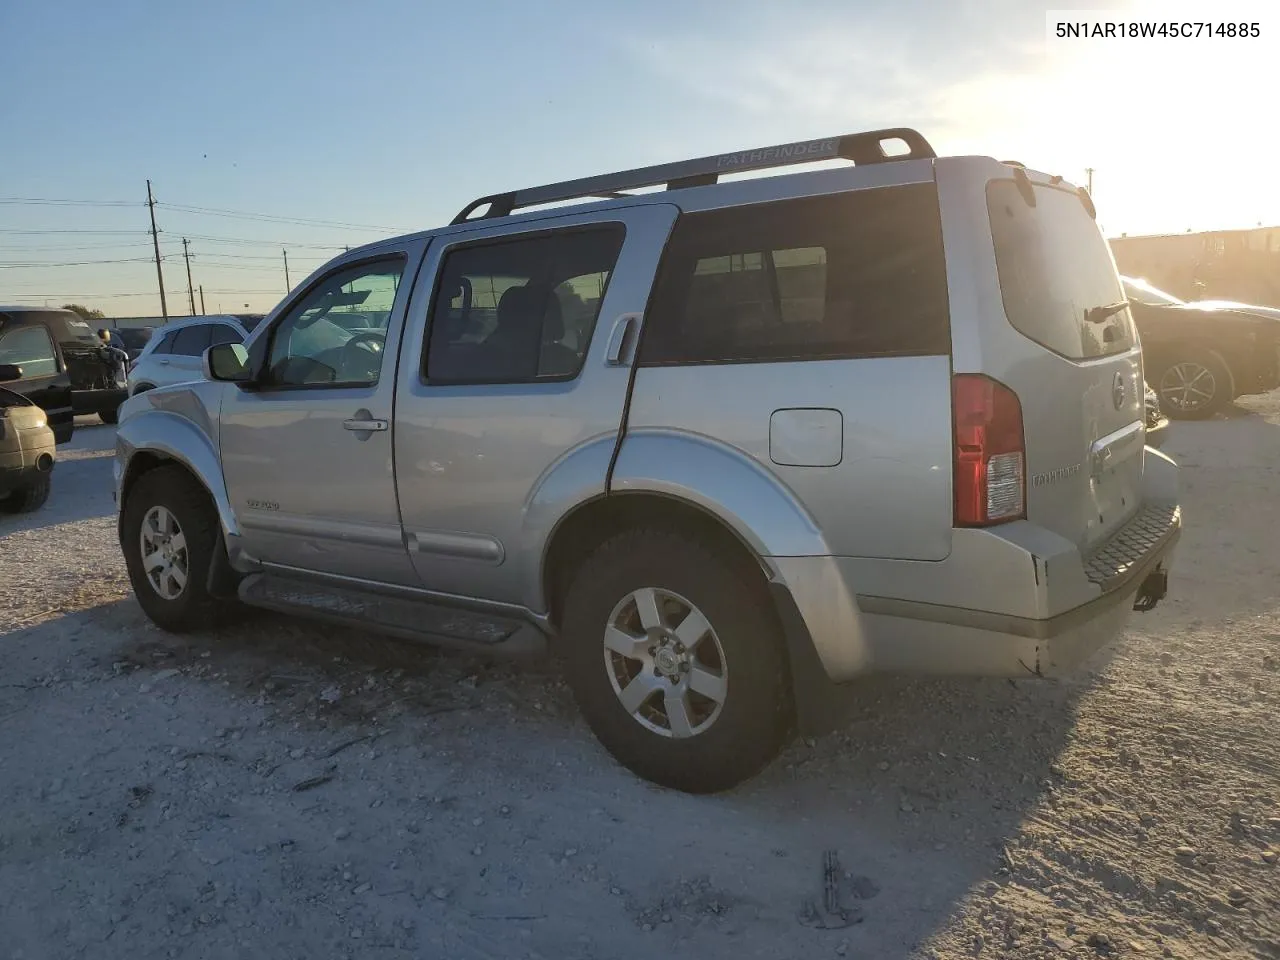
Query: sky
point(387, 116)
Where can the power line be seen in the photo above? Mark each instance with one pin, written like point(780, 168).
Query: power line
point(253, 256)
point(270, 218)
point(18, 265)
point(118, 233)
point(87, 246)
point(201, 211)
point(103, 296)
point(268, 243)
point(252, 267)
point(45, 201)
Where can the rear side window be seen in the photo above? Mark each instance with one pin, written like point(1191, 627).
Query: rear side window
point(520, 310)
point(224, 333)
point(1056, 271)
point(191, 341)
point(133, 339)
point(858, 274)
point(165, 344)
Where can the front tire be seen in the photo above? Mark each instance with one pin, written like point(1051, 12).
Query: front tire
point(1194, 385)
point(675, 658)
point(168, 535)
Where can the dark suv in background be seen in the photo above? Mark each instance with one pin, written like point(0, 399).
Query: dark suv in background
point(1202, 355)
point(36, 367)
point(46, 343)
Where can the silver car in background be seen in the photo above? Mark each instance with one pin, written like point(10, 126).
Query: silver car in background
point(173, 352)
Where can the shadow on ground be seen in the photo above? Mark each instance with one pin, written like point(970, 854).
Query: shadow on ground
point(918, 792)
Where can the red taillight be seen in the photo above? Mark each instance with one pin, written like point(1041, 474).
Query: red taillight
point(990, 454)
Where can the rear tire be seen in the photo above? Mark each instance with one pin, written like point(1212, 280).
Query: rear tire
point(1193, 384)
point(171, 581)
point(112, 416)
point(28, 498)
point(655, 707)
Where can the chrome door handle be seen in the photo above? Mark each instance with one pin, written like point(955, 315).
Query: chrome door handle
point(623, 339)
point(164, 360)
point(361, 426)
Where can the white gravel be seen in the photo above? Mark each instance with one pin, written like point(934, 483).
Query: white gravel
point(283, 790)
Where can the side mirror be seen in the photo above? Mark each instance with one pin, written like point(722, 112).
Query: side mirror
point(227, 362)
point(10, 371)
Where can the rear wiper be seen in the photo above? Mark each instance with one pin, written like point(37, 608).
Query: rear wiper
point(1102, 314)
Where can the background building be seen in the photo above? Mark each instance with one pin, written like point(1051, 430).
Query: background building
point(1239, 265)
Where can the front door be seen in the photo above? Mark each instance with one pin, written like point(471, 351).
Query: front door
point(307, 454)
point(512, 391)
point(44, 382)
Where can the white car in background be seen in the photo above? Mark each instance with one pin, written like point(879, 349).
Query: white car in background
point(175, 351)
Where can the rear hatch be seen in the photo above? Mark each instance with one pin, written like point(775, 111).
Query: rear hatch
point(1078, 373)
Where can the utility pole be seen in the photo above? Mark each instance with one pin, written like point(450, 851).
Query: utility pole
point(1089, 173)
point(155, 242)
point(202, 299)
point(287, 286)
point(191, 290)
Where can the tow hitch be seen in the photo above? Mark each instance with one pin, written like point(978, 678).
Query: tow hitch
point(1152, 591)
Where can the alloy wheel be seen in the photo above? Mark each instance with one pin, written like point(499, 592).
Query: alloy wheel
point(665, 663)
point(1188, 386)
point(164, 553)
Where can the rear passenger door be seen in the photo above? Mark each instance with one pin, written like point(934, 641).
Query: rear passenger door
point(184, 361)
point(512, 387)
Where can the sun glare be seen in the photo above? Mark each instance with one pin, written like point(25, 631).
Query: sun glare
point(1178, 131)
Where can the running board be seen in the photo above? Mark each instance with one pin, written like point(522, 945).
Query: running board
point(409, 619)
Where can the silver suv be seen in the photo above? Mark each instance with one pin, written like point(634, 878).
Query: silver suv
point(719, 446)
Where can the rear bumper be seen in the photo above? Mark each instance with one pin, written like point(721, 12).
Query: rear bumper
point(1010, 601)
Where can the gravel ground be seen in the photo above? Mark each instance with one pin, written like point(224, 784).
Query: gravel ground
point(283, 790)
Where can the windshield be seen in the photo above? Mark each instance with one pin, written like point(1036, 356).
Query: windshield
point(1144, 292)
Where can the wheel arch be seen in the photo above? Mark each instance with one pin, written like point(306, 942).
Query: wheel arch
point(156, 438)
point(597, 520)
point(814, 697)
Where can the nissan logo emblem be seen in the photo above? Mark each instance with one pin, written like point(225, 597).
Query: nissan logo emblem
point(1117, 391)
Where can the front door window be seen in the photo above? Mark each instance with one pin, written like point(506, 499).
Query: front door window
point(335, 335)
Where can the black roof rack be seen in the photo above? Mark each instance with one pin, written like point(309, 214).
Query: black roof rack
point(860, 148)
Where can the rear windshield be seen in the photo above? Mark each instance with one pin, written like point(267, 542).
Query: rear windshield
point(1056, 272)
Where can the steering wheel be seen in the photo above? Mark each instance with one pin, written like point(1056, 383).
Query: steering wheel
point(362, 354)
